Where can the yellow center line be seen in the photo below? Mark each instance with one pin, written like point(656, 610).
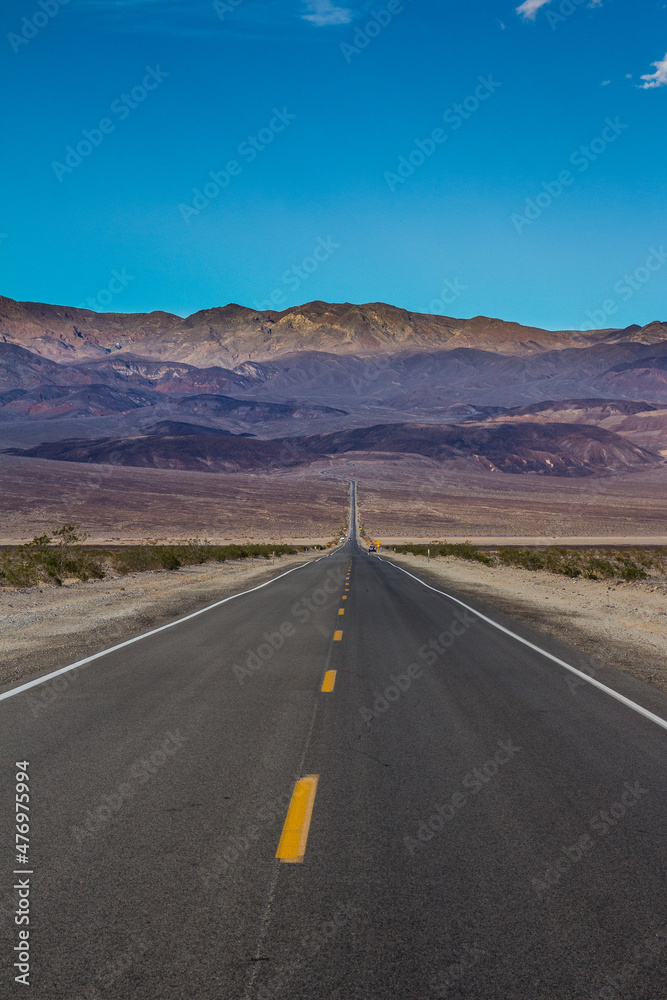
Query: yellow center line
point(344, 598)
point(329, 681)
point(292, 846)
point(338, 635)
point(341, 611)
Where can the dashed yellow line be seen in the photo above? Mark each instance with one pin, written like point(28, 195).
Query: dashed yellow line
point(341, 611)
point(292, 846)
point(329, 681)
point(344, 597)
point(338, 635)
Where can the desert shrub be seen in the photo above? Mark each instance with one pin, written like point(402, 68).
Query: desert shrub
point(523, 558)
point(49, 559)
point(593, 564)
point(143, 558)
point(52, 558)
point(463, 550)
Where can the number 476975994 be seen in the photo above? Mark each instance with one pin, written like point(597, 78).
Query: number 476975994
point(22, 812)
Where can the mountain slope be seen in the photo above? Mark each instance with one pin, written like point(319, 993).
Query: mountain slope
point(232, 334)
point(545, 449)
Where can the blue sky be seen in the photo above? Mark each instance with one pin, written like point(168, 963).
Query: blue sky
point(342, 168)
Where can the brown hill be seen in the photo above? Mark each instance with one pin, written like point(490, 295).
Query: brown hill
point(645, 424)
point(230, 335)
point(545, 449)
point(51, 402)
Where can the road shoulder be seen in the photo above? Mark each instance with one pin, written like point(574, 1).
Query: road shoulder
point(624, 624)
point(46, 628)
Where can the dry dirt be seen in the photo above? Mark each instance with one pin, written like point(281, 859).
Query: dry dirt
point(624, 624)
point(420, 499)
point(46, 628)
point(119, 504)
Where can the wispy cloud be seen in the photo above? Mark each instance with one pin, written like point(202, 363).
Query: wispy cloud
point(657, 79)
point(529, 8)
point(325, 12)
point(202, 17)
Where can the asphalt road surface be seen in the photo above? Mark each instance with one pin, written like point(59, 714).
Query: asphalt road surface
point(456, 814)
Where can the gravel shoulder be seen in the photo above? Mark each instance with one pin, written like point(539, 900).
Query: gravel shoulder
point(623, 624)
point(44, 628)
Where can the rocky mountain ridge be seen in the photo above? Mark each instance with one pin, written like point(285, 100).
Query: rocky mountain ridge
point(230, 335)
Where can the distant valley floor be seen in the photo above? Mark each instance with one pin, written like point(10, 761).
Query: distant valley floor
point(399, 497)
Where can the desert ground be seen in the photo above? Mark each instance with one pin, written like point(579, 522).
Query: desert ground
point(421, 500)
point(407, 498)
point(116, 504)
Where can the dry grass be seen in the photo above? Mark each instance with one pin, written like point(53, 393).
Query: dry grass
point(52, 559)
point(591, 564)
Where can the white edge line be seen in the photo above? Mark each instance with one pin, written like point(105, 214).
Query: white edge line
point(144, 635)
point(590, 680)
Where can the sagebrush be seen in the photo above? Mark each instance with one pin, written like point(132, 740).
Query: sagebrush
point(589, 563)
point(54, 558)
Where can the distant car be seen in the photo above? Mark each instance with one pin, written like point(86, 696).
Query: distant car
point(372, 548)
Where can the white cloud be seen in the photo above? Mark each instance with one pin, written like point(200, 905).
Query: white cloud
point(657, 79)
point(605, 83)
point(325, 12)
point(530, 8)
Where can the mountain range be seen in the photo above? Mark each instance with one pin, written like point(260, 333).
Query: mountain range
point(231, 334)
point(322, 380)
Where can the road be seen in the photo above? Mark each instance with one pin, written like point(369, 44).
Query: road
point(456, 814)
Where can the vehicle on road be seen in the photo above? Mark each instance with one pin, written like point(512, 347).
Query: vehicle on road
point(372, 548)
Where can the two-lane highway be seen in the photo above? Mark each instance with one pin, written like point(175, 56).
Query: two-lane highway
point(343, 784)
